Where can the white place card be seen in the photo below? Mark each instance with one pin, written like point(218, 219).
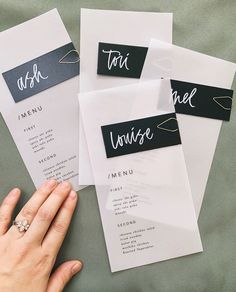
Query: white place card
point(124, 27)
point(199, 134)
point(38, 88)
point(140, 174)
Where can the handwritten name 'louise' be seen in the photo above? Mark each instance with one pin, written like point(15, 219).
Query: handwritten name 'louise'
point(134, 136)
point(30, 79)
point(116, 59)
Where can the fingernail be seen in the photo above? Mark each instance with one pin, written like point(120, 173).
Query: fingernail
point(76, 268)
point(65, 185)
point(72, 195)
point(51, 183)
point(14, 192)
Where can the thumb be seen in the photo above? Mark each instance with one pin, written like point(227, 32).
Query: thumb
point(63, 275)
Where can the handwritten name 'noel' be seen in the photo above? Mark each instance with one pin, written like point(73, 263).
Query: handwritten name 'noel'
point(185, 99)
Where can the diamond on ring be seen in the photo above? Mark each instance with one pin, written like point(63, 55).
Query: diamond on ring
point(22, 225)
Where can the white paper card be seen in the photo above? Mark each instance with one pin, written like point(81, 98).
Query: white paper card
point(199, 135)
point(125, 27)
point(45, 125)
point(144, 198)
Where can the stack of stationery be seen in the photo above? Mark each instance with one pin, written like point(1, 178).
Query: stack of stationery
point(132, 114)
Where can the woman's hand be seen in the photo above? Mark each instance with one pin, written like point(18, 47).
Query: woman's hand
point(27, 258)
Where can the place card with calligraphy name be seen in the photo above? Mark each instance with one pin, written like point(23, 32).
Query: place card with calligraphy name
point(128, 61)
point(43, 72)
point(141, 135)
point(134, 28)
point(120, 60)
point(38, 96)
point(203, 99)
point(140, 174)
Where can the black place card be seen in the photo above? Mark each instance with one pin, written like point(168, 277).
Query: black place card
point(141, 135)
point(201, 100)
point(43, 72)
point(120, 60)
point(189, 98)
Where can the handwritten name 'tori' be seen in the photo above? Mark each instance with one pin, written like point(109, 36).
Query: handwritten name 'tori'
point(28, 81)
point(115, 59)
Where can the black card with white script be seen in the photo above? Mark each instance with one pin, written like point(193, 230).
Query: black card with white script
point(189, 98)
point(201, 100)
point(43, 72)
point(141, 135)
point(120, 60)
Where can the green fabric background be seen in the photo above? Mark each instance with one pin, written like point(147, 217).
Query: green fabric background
point(207, 27)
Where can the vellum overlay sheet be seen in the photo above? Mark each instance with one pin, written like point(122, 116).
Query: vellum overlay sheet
point(38, 96)
point(140, 174)
point(135, 28)
point(200, 89)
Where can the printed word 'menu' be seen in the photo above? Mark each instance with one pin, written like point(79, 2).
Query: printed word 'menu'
point(28, 81)
point(119, 174)
point(116, 59)
point(30, 112)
